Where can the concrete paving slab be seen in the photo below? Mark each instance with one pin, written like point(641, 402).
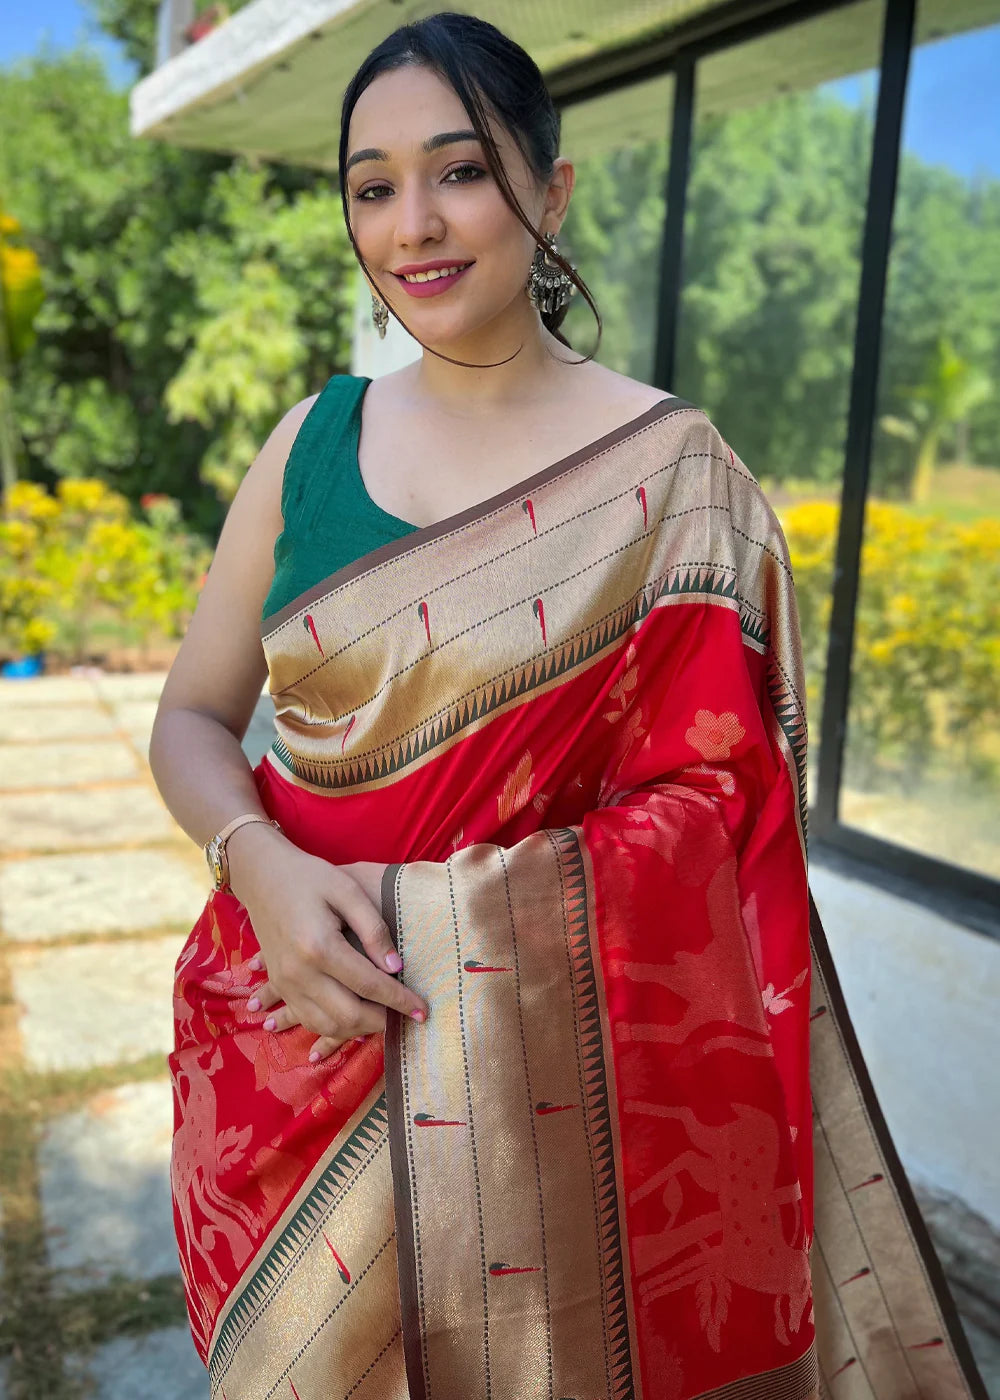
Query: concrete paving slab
point(104, 1176)
point(158, 1366)
point(102, 817)
point(46, 690)
point(95, 1003)
point(135, 685)
point(65, 765)
point(140, 742)
point(47, 897)
point(135, 716)
point(52, 722)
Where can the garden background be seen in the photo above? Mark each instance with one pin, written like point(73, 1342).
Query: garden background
point(162, 308)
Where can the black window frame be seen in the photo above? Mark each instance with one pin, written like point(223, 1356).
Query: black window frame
point(964, 896)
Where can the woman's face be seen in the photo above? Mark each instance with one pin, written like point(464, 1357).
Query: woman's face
point(420, 192)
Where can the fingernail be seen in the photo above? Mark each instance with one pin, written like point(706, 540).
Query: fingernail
point(255, 964)
point(270, 1023)
point(253, 1004)
point(359, 1040)
point(419, 1015)
point(313, 1056)
point(394, 962)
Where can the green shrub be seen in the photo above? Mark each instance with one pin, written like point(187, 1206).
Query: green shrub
point(76, 562)
point(925, 677)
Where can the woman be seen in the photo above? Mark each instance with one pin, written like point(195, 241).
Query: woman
point(530, 633)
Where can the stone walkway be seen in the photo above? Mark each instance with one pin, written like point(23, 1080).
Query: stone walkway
point(98, 888)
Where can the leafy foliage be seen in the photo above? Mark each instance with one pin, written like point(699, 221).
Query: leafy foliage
point(773, 228)
point(76, 558)
point(272, 304)
point(926, 674)
point(190, 299)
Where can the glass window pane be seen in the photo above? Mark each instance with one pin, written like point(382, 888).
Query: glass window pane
point(613, 229)
point(923, 744)
point(772, 243)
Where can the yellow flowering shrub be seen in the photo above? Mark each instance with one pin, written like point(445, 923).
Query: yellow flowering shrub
point(925, 677)
point(77, 561)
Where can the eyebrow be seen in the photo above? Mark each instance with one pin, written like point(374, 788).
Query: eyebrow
point(433, 143)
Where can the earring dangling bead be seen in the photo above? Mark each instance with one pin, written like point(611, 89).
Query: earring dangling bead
point(549, 288)
point(380, 315)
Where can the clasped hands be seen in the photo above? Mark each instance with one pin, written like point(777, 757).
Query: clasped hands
point(299, 906)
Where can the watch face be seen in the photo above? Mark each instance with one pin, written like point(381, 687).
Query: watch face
point(214, 862)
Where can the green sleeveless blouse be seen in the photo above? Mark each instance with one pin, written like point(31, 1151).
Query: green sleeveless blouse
point(329, 518)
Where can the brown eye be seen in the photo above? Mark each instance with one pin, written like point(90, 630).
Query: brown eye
point(468, 173)
point(367, 193)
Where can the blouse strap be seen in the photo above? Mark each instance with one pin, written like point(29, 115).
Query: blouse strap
point(322, 448)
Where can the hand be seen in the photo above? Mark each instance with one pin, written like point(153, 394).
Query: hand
point(298, 905)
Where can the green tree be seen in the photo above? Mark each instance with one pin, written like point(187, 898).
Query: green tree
point(272, 307)
point(943, 274)
point(162, 265)
point(951, 388)
point(21, 296)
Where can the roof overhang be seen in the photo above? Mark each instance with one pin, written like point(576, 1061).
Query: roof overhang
point(268, 82)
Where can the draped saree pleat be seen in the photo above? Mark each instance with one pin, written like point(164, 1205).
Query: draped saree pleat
point(570, 723)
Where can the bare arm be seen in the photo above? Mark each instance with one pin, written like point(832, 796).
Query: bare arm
point(216, 679)
point(297, 902)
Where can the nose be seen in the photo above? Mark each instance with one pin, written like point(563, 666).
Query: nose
point(418, 219)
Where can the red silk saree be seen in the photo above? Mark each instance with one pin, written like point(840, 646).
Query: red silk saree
point(570, 722)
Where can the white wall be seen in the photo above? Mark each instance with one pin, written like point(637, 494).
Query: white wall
point(371, 356)
point(924, 996)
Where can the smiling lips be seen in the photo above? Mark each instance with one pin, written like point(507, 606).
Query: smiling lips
point(433, 281)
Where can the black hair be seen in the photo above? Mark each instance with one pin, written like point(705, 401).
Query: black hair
point(491, 76)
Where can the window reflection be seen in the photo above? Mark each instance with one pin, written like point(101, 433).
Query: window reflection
point(923, 745)
point(613, 229)
point(772, 243)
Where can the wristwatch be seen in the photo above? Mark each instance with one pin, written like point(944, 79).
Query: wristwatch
point(215, 850)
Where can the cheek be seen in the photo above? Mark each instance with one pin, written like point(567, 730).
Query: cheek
point(502, 239)
point(373, 231)
point(478, 216)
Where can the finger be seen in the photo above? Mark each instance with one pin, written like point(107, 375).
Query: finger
point(332, 1011)
point(324, 1047)
point(282, 1020)
point(265, 996)
point(356, 972)
point(257, 963)
point(356, 909)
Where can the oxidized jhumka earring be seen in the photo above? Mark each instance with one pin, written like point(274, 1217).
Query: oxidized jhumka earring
point(380, 315)
point(548, 286)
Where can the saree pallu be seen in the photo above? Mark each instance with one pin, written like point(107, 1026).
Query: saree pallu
point(570, 723)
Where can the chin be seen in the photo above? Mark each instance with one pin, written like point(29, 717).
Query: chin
point(440, 333)
point(496, 323)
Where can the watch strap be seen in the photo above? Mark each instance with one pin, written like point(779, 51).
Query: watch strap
point(223, 836)
point(217, 845)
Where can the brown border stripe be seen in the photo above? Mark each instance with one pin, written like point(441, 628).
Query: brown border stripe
point(424, 534)
point(894, 1168)
point(406, 1256)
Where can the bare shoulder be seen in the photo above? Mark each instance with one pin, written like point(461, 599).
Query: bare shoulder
point(274, 453)
point(220, 667)
point(620, 396)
